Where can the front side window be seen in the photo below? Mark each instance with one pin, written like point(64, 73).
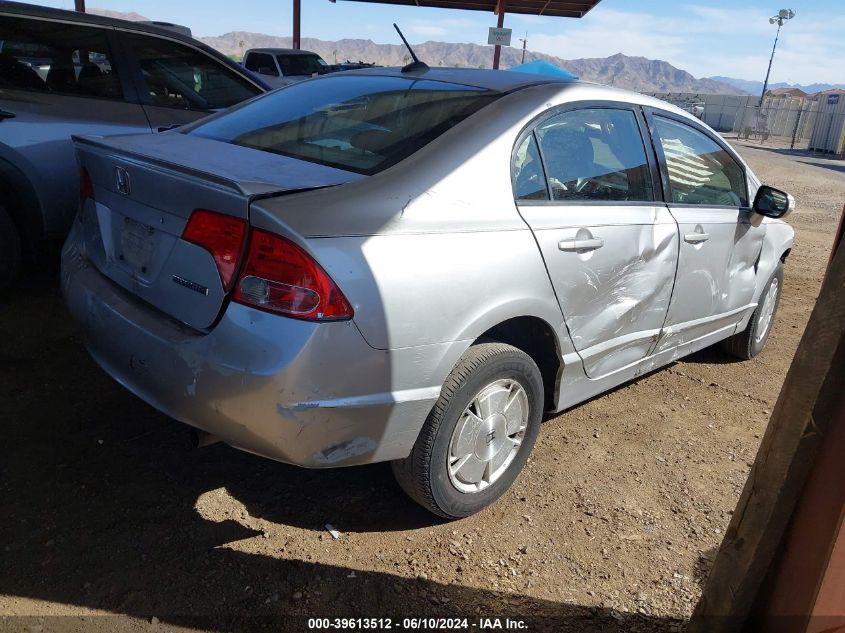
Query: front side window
point(53, 57)
point(178, 76)
point(261, 63)
point(595, 154)
point(700, 171)
point(358, 123)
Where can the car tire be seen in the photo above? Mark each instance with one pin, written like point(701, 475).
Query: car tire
point(10, 250)
point(471, 447)
point(751, 341)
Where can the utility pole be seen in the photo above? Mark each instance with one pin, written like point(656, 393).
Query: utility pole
point(524, 44)
point(297, 12)
point(79, 5)
point(782, 16)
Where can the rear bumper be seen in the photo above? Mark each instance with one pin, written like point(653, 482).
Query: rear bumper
point(315, 395)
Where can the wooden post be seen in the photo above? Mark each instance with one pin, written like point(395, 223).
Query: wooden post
point(805, 588)
point(838, 238)
point(79, 5)
point(497, 50)
point(296, 22)
point(804, 417)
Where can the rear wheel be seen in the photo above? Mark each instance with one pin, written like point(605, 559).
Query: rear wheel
point(10, 250)
point(751, 341)
point(479, 433)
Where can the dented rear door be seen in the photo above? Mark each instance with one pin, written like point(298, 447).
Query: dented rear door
point(612, 262)
point(614, 298)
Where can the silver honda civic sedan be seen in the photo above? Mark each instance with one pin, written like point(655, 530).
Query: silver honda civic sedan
point(416, 266)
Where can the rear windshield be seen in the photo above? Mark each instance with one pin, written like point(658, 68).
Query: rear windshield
point(357, 123)
point(301, 65)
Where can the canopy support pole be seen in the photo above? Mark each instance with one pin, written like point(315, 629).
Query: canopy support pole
point(497, 51)
point(296, 21)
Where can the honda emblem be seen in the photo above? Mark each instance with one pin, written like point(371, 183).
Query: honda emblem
point(121, 178)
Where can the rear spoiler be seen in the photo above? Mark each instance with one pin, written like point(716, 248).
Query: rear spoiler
point(250, 189)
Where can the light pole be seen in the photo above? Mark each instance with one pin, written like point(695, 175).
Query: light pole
point(782, 16)
point(524, 44)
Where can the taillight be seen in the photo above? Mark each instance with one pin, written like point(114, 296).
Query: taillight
point(280, 277)
point(86, 187)
point(221, 235)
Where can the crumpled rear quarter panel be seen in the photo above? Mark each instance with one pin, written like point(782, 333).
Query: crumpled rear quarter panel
point(310, 394)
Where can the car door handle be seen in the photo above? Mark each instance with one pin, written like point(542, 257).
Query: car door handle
point(696, 238)
point(581, 245)
point(5, 114)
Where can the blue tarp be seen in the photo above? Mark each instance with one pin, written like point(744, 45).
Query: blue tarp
point(542, 67)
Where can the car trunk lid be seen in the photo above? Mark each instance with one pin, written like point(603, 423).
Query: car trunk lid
point(144, 193)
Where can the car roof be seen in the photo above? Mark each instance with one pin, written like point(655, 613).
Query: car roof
point(49, 13)
point(476, 77)
point(282, 51)
point(513, 81)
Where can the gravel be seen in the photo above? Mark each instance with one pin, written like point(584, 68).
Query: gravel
point(612, 526)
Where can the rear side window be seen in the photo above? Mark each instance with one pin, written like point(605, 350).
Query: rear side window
point(261, 63)
point(358, 123)
point(595, 154)
point(700, 171)
point(528, 178)
point(54, 57)
point(301, 64)
point(178, 76)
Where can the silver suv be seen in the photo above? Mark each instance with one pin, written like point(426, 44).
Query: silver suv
point(64, 73)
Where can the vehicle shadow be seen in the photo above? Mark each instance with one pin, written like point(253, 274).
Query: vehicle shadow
point(108, 507)
point(708, 356)
point(839, 168)
point(796, 152)
point(712, 355)
point(756, 144)
point(88, 433)
point(233, 591)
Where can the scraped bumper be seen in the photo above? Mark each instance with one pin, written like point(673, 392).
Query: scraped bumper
point(315, 395)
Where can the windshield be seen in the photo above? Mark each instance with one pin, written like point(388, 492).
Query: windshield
point(358, 123)
point(301, 64)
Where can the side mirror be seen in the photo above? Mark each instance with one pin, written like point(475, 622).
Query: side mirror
point(773, 203)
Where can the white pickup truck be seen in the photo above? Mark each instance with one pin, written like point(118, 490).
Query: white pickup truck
point(283, 66)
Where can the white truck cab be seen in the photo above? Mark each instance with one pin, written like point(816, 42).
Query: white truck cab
point(283, 66)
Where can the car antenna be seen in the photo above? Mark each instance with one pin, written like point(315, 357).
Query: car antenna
point(414, 65)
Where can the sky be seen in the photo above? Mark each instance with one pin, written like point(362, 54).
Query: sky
point(714, 37)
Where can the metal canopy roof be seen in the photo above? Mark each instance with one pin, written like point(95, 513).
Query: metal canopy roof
point(554, 8)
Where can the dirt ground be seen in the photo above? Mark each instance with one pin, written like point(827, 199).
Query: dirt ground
point(107, 510)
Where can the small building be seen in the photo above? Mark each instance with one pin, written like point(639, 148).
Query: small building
point(829, 128)
point(786, 93)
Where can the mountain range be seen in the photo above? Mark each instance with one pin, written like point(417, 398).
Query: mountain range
point(634, 73)
point(754, 87)
point(120, 15)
